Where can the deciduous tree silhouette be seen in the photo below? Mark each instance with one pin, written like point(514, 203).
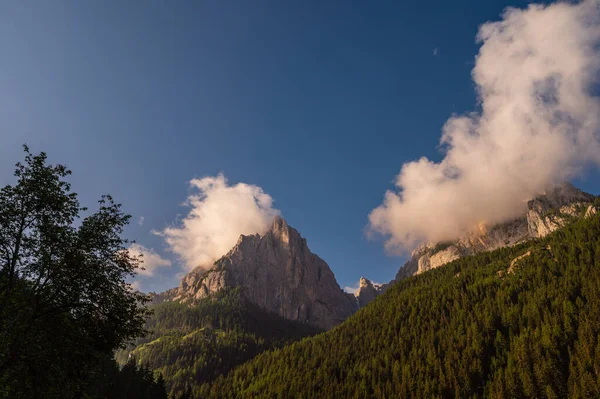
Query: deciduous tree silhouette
point(64, 302)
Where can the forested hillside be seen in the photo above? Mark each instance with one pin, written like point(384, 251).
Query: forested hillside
point(517, 322)
point(189, 345)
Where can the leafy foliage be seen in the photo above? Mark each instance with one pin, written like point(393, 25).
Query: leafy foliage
point(64, 303)
point(190, 345)
point(463, 330)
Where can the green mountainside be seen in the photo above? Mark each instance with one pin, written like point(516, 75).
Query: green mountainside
point(517, 322)
point(190, 345)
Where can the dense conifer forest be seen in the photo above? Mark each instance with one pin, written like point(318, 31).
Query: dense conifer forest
point(190, 345)
point(474, 328)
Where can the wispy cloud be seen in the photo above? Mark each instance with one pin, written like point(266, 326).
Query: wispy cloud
point(435, 51)
point(351, 289)
point(136, 286)
point(141, 221)
point(150, 260)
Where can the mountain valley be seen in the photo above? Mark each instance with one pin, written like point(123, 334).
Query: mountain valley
point(270, 290)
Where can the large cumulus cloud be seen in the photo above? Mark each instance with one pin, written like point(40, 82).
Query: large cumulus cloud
point(218, 214)
point(538, 125)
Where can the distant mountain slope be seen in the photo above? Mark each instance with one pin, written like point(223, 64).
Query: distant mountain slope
point(268, 290)
point(190, 345)
point(520, 321)
point(276, 271)
point(543, 215)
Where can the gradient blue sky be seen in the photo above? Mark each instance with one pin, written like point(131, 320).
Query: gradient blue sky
point(319, 103)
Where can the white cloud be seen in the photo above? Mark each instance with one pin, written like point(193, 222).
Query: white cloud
point(136, 286)
point(218, 214)
point(538, 125)
point(141, 220)
point(150, 260)
point(351, 289)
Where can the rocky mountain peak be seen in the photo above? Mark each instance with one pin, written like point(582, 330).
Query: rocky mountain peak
point(545, 213)
point(563, 194)
point(283, 232)
point(364, 282)
point(278, 272)
point(552, 210)
point(367, 291)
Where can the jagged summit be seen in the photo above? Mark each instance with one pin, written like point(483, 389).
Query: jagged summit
point(278, 272)
point(549, 212)
point(563, 194)
point(545, 213)
point(367, 291)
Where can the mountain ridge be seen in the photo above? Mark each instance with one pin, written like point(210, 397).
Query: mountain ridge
point(272, 268)
point(278, 272)
point(545, 213)
point(519, 321)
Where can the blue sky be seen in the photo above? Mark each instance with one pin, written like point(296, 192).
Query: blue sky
point(319, 103)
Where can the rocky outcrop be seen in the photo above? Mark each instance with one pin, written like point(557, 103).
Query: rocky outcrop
point(430, 256)
point(198, 284)
point(545, 214)
point(367, 291)
point(553, 210)
point(278, 272)
point(590, 211)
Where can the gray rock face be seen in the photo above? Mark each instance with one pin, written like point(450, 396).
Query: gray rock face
point(590, 211)
point(553, 210)
point(545, 214)
point(277, 272)
point(367, 291)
